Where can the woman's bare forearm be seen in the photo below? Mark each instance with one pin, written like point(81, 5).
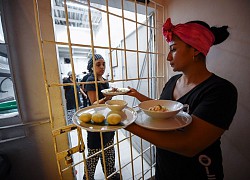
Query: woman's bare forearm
point(133, 92)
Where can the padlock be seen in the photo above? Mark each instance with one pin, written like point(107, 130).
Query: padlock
point(68, 160)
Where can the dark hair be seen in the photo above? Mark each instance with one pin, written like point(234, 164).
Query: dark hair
point(70, 73)
point(220, 33)
point(90, 62)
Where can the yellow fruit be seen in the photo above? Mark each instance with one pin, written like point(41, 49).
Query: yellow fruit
point(98, 117)
point(114, 119)
point(85, 117)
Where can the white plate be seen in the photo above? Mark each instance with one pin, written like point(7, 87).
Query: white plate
point(128, 117)
point(181, 120)
point(120, 91)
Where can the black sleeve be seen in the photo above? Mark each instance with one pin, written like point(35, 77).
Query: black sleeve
point(218, 105)
point(90, 87)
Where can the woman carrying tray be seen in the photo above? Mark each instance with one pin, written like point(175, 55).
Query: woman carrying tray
point(93, 139)
point(195, 152)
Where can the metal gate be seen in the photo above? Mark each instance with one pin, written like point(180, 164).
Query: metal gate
point(128, 35)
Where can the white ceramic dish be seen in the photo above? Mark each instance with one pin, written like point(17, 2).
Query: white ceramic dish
point(173, 107)
point(116, 105)
point(118, 91)
point(181, 120)
point(128, 116)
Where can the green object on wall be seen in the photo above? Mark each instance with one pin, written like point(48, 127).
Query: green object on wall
point(8, 105)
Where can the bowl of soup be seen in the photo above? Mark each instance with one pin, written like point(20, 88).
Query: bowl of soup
point(161, 109)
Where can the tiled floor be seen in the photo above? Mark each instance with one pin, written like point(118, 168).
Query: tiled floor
point(125, 154)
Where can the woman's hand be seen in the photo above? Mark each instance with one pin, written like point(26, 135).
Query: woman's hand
point(132, 92)
point(108, 97)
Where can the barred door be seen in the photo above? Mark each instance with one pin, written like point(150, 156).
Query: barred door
point(128, 35)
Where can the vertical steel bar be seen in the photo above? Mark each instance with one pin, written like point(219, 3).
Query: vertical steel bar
point(93, 49)
point(131, 155)
point(95, 75)
point(119, 155)
point(137, 39)
point(109, 41)
point(71, 54)
point(124, 40)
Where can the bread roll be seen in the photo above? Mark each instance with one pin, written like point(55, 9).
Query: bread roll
point(98, 117)
point(114, 119)
point(85, 117)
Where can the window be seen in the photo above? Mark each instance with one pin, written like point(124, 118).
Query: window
point(9, 116)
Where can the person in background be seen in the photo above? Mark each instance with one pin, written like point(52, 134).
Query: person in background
point(93, 138)
point(70, 97)
point(85, 97)
point(194, 152)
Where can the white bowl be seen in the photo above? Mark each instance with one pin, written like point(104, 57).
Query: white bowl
point(116, 105)
point(173, 107)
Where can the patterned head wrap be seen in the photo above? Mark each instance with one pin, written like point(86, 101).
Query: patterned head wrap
point(194, 34)
point(90, 62)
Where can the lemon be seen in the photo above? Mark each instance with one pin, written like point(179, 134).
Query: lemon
point(114, 119)
point(85, 117)
point(98, 117)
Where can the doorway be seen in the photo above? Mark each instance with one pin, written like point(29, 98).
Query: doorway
point(125, 33)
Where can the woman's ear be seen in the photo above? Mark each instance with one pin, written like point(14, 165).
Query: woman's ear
point(196, 52)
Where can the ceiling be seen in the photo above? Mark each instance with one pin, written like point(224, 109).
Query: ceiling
point(78, 15)
point(77, 52)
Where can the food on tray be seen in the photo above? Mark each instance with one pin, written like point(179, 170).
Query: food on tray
point(85, 117)
point(98, 117)
point(113, 89)
point(117, 90)
point(158, 108)
point(114, 119)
